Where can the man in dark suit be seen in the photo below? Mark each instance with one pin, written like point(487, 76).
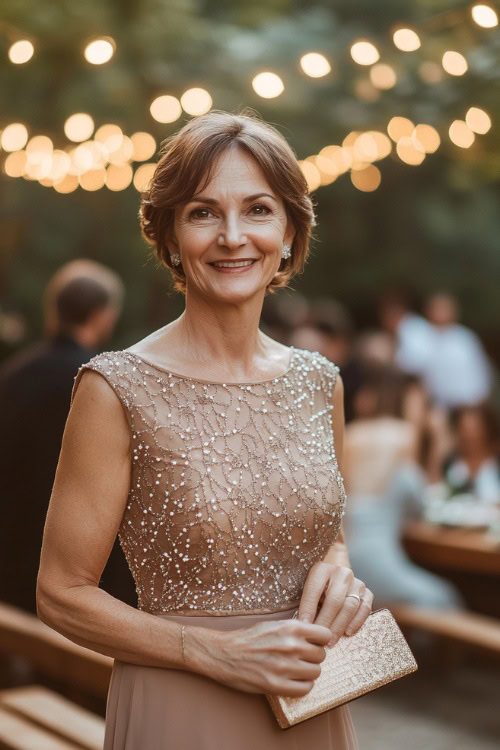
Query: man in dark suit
point(82, 303)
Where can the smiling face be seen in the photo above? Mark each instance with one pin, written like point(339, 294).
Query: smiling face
point(237, 218)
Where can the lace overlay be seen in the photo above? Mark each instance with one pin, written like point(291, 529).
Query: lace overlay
point(235, 489)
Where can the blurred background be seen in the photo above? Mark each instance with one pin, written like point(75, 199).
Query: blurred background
point(392, 109)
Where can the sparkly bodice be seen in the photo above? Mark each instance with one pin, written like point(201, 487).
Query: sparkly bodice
point(235, 490)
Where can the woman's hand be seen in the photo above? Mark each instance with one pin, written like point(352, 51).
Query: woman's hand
point(334, 598)
point(281, 657)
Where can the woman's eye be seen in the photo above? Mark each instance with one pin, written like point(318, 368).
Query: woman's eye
point(261, 206)
point(199, 213)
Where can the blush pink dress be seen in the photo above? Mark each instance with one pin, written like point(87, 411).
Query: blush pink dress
point(235, 492)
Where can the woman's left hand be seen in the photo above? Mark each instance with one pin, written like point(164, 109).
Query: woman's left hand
point(333, 597)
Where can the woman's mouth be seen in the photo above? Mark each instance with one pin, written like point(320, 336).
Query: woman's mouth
point(233, 266)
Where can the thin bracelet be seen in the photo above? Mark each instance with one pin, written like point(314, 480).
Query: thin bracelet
point(182, 644)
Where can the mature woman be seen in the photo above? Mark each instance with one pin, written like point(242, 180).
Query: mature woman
point(209, 448)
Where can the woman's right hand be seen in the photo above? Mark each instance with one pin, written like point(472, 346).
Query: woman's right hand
point(280, 657)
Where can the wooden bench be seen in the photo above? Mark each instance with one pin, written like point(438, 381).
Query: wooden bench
point(34, 717)
point(25, 635)
point(467, 628)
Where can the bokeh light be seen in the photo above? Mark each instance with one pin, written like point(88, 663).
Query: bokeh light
point(478, 120)
point(67, 185)
point(400, 127)
point(99, 51)
point(383, 76)
point(119, 177)
point(315, 65)
point(92, 180)
point(311, 173)
point(367, 179)
point(79, 127)
point(460, 134)
point(364, 53)
point(196, 101)
point(409, 152)
point(166, 108)
point(454, 63)
point(406, 40)
point(426, 137)
point(143, 176)
point(144, 146)
point(110, 135)
point(484, 16)
point(14, 137)
point(15, 164)
point(268, 85)
point(430, 72)
point(21, 51)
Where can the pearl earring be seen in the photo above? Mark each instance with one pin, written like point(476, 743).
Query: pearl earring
point(175, 259)
point(286, 252)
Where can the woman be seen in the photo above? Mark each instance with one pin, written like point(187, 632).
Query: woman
point(386, 485)
point(208, 447)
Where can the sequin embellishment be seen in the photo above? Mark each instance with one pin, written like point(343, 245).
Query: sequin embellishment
point(235, 490)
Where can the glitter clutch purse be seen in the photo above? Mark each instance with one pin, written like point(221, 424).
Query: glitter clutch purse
point(374, 656)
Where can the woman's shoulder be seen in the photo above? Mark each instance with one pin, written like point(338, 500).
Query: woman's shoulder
point(315, 361)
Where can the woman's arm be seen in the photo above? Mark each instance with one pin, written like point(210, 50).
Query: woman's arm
point(86, 507)
point(338, 554)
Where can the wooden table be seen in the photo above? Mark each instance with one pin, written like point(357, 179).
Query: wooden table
point(444, 547)
point(468, 558)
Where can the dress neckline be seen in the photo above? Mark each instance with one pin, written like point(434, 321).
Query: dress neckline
point(171, 373)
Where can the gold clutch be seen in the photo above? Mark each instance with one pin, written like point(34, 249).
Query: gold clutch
point(357, 664)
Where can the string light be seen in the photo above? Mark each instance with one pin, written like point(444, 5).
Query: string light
point(21, 51)
point(426, 138)
point(383, 76)
point(100, 51)
point(144, 146)
point(79, 127)
point(367, 180)
point(460, 134)
point(315, 65)
point(478, 120)
point(364, 53)
point(454, 63)
point(143, 176)
point(311, 173)
point(118, 177)
point(268, 85)
point(166, 108)
point(484, 16)
point(14, 137)
point(406, 40)
point(400, 127)
point(196, 101)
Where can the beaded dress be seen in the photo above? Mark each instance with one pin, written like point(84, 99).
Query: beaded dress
point(234, 493)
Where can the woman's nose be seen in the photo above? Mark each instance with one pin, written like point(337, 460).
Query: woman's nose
point(232, 234)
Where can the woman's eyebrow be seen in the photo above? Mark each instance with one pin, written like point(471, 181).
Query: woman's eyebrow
point(213, 202)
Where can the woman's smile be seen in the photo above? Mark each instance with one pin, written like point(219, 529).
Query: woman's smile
point(241, 265)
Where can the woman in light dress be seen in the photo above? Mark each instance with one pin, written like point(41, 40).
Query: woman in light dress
point(212, 450)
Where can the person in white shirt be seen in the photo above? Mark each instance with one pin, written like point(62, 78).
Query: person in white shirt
point(457, 371)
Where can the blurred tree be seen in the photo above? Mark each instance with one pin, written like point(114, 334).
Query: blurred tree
point(431, 225)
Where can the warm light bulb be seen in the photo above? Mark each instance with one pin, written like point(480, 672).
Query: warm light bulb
point(484, 16)
point(100, 51)
point(478, 120)
point(406, 40)
point(383, 76)
point(20, 52)
point(196, 101)
point(268, 85)
point(364, 53)
point(311, 173)
point(460, 134)
point(79, 127)
point(454, 63)
point(14, 137)
point(315, 65)
point(166, 108)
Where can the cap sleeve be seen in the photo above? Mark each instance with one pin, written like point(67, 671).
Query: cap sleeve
point(113, 368)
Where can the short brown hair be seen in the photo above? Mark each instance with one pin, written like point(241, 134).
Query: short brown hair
point(187, 157)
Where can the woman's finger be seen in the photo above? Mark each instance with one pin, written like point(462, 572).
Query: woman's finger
point(349, 610)
point(340, 584)
point(361, 615)
point(314, 586)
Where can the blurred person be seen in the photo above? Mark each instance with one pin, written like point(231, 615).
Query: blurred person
point(81, 304)
point(458, 372)
point(473, 466)
point(412, 333)
point(385, 486)
point(194, 446)
point(329, 330)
